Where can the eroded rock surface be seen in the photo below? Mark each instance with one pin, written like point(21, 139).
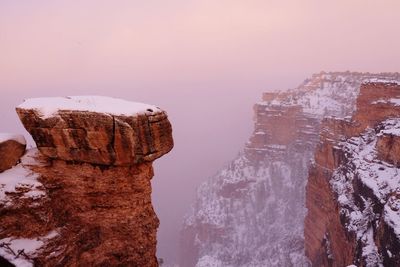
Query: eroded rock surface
point(69, 204)
point(353, 187)
point(251, 213)
point(12, 147)
point(95, 134)
point(388, 144)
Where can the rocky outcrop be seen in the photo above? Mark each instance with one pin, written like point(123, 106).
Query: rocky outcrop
point(388, 144)
point(101, 138)
point(352, 192)
point(12, 147)
point(72, 204)
point(251, 213)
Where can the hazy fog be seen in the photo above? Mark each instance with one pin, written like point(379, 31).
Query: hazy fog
point(205, 62)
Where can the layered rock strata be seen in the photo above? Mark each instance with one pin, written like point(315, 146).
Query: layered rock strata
point(87, 129)
point(73, 204)
point(251, 213)
point(353, 188)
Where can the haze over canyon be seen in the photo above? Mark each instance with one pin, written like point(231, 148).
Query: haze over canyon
point(206, 64)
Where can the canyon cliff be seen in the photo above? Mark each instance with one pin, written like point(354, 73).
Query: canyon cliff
point(83, 197)
point(353, 190)
point(252, 212)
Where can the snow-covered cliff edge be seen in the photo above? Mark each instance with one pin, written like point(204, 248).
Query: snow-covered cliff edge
point(353, 191)
point(252, 212)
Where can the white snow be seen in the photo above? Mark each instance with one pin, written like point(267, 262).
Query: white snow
point(381, 80)
point(392, 214)
point(393, 101)
point(16, 137)
point(20, 179)
point(325, 94)
point(49, 106)
point(209, 261)
point(28, 246)
point(380, 101)
point(381, 177)
point(370, 250)
point(262, 225)
point(391, 126)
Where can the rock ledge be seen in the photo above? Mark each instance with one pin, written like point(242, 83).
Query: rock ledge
point(87, 129)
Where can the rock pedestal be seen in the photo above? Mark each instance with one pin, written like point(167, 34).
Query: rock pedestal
point(94, 168)
point(104, 138)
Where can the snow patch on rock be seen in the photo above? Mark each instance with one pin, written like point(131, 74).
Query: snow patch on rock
point(21, 180)
point(50, 106)
point(381, 80)
point(20, 251)
point(381, 178)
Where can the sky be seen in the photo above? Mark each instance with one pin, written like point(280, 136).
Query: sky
point(205, 62)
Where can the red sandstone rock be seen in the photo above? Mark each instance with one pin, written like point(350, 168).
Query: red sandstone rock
point(99, 138)
point(251, 213)
point(11, 150)
point(88, 200)
point(374, 105)
point(349, 186)
point(388, 144)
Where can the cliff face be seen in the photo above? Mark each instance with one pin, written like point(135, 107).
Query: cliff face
point(353, 188)
point(84, 198)
point(107, 137)
point(252, 212)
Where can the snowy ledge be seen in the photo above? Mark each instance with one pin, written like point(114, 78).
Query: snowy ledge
point(21, 179)
point(392, 101)
point(50, 106)
point(391, 126)
point(380, 80)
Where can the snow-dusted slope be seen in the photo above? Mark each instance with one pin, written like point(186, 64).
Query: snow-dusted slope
point(352, 194)
point(382, 178)
point(21, 182)
point(251, 213)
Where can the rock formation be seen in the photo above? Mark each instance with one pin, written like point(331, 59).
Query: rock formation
point(252, 212)
point(103, 138)
point(12, 147)
point(84, 197)
point(353, 191)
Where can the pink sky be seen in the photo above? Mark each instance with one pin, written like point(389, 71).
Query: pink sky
point(205, 62)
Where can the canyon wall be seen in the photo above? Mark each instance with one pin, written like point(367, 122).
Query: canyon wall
point(354, 184)
point(83, 197)
point(251, 213)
